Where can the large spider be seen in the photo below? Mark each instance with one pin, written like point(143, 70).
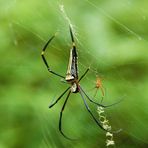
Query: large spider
point(72, 79)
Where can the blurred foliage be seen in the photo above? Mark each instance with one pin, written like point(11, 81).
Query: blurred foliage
point(112, 38)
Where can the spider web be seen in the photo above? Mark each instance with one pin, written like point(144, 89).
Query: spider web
point(101, 58)
point(93, 57)
point(109, 140)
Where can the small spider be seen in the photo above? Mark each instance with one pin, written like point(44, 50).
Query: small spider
point(72, 79)
point(98, 86)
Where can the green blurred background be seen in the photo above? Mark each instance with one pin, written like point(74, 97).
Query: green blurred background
point(112, 38)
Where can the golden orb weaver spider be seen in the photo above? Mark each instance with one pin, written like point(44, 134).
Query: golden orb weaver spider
point(72, 79)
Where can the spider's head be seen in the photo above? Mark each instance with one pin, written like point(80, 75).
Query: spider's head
point(74, 88)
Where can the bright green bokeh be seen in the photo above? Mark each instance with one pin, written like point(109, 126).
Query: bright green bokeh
point(112, 38)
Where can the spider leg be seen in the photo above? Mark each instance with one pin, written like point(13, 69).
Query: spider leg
point(88, 109)
point(60, 120)
point(44, 59)
point(102, 92)
point(91, 99)
point(71, 34)
point(59, 98)
point(95, 92)
point(83, 74)
point(98, 123)
point(105, 106)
